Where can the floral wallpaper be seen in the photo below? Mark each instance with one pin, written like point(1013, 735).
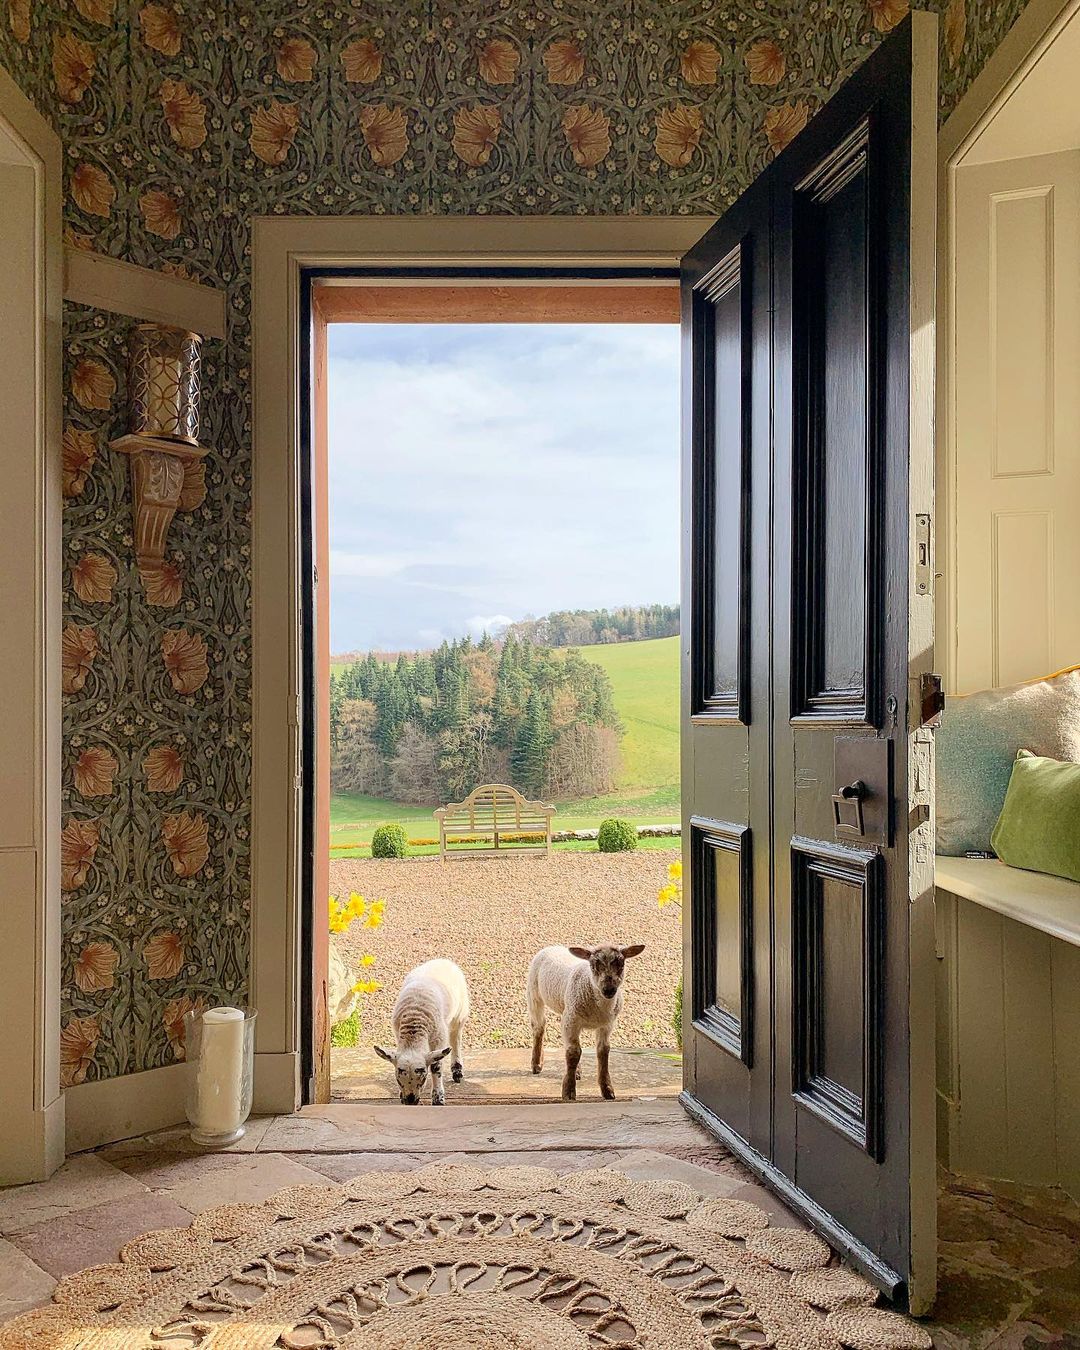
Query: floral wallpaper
point(181, 121)
point(154, 847)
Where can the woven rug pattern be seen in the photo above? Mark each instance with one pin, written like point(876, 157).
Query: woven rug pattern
point(452, 1257)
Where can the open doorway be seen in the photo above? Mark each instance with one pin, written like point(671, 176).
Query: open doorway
point(1008, 645)
point(503, 661)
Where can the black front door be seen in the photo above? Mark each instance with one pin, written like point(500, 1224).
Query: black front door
point(808, 470)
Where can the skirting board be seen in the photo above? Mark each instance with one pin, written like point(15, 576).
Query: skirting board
point(123, 288)
point(119, 1108)
point(139, 1103)
point(277, 1084)
point(32, 1147)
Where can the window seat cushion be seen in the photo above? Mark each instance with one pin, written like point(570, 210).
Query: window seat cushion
point(1050, 904)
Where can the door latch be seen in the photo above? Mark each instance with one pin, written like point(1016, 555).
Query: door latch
point(851, 796)
point(931, 701)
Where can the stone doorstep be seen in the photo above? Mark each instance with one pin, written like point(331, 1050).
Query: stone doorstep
point(531, 1127)
point(502, 1075)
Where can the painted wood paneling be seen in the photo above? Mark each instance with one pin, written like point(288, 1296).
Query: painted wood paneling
point(1021, 294)
point(1015, 552)
point(1008, 1032)
point(1022, 599)
point(1065, 977)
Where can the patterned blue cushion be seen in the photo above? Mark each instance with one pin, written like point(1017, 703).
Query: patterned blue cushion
point(977, 743)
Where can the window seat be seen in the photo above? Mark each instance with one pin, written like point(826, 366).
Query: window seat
point(1049, 904)
point(1008, 1023)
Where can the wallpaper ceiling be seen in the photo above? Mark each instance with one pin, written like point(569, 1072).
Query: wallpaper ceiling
point(181, 121)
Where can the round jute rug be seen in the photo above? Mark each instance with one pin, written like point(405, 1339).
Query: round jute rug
point(456, 1258)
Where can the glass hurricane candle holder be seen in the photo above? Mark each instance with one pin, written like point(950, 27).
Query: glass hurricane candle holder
point(163, 383)
point(220, 1049)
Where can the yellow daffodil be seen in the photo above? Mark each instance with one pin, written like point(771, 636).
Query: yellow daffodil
point(342, 916)
point(671, 894)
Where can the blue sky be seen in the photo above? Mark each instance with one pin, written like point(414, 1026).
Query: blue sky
point(486, 472)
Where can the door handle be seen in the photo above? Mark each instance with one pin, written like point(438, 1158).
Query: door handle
point(853, 794)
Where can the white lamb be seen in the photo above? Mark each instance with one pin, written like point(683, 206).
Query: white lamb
point(583, 986)
point(428, 1016)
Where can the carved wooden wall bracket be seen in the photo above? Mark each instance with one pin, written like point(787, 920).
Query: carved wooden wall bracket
point(166, 476)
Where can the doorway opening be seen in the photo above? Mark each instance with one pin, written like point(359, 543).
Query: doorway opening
point(503, 650)
point(1008, 633)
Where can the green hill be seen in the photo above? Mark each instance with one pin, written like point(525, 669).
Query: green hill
point(645, 681)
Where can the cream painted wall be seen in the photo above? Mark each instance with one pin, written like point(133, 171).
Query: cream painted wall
point(1016, 534)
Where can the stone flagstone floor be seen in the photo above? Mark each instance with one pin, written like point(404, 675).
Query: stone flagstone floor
point(1010, 1257)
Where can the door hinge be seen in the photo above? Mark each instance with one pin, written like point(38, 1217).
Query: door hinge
point(924, 576)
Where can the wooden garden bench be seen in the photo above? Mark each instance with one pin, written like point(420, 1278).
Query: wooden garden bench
point(495, 811)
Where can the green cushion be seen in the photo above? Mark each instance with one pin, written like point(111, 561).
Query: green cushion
point(1039, 825)
point(976, 747)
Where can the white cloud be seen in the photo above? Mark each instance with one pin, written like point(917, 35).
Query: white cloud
point(498, 470)
point(494, 624)
point(343, 564)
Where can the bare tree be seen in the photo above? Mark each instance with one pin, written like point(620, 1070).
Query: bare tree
point(583, 763)
point(414, 776)
point(357, 764)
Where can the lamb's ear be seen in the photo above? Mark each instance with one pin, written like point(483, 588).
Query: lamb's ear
point(384, 1054)
point(635, 949)
point(584, 952)
point(434, 1058)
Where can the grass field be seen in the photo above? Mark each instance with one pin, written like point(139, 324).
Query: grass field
point(645, 681)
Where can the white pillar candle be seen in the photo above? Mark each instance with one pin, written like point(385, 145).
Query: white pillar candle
point(220, 1072)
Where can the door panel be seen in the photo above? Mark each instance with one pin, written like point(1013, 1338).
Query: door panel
point(1016, 474)
point(724, 323)
point(726, 413)
point(807, 459)
point(833, 312)
point(722, 921)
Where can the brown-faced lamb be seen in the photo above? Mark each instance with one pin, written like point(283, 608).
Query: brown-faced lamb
point(582, 986)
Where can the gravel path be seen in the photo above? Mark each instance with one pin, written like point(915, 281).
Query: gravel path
point(491, 914)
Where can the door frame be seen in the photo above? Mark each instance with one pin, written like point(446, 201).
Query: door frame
point(283, 250)
point(1026, 42)
point(32, 1144)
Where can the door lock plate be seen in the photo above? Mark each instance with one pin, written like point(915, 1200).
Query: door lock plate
point(924, 575)
point(862, 791)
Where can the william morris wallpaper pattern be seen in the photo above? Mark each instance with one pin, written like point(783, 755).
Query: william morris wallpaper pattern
point(181, 121)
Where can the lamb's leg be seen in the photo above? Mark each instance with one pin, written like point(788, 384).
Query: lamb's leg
point(438, 1091)
point(457, 1068)
point(538, 1021)
point(603, 1045)
point(572, 1042)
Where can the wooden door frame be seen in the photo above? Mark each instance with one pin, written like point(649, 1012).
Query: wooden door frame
point(1016, 56)
point(283, 249)
point(32, 1142)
